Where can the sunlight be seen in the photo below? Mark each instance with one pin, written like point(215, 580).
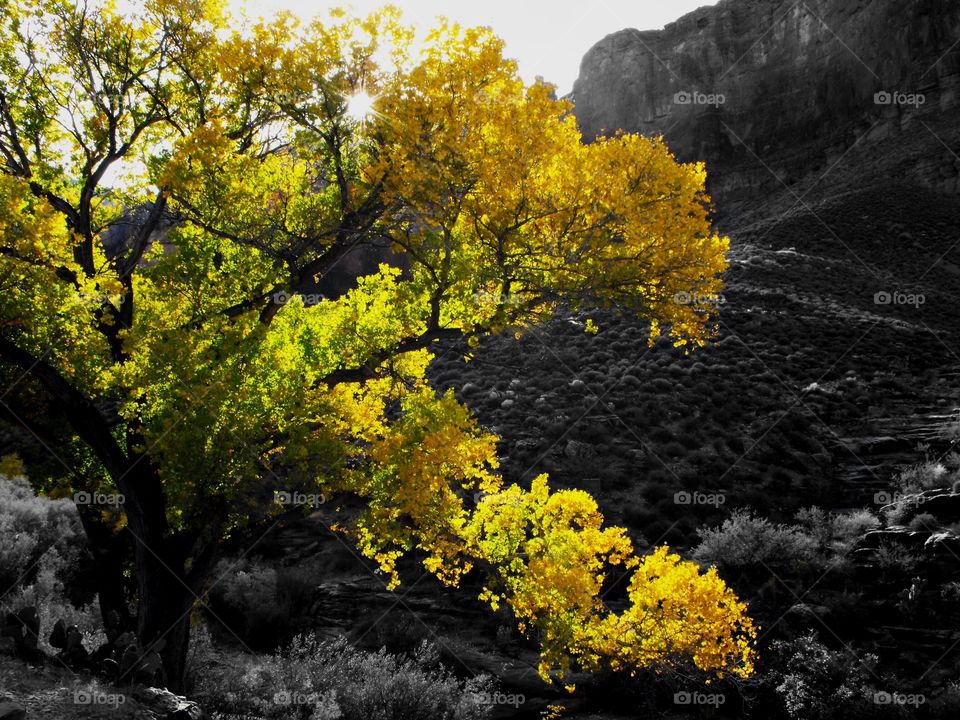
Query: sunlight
point(361, 105)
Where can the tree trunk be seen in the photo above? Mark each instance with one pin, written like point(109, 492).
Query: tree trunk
point(166, 602)
point(167, 591)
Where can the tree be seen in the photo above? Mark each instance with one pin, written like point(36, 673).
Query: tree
point(173, 186)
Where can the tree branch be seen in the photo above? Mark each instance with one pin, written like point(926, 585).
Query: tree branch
point(80, 412)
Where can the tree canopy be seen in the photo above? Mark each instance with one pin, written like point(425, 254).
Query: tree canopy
point(174, 184)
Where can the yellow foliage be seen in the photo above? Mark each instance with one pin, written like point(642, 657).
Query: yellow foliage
point(229, 379)
point(551, 558)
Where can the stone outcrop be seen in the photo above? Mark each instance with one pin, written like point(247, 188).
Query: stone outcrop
point(12, 711)
point(768, 90)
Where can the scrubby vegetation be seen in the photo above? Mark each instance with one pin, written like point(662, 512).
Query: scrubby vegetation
point(329, 680)
point(717, 481)
point(44, 561)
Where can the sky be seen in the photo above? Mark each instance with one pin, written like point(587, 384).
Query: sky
point(546, 38)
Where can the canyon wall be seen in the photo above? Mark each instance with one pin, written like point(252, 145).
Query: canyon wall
point(768, 92)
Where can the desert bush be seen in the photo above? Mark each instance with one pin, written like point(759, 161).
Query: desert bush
point(263, 605)
point(745, 539)
point(49, 595)
point(836, 532)
point(895, 559)
point(327, 680)
point(818, 524)
point(43, 547)
point(849, 527)
point(817, 683)
point(927, 475)
point(952, 460)
point(923, 521)
point(30, 526)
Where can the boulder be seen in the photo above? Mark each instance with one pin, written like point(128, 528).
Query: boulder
point(12, 711)
point(944, 506)
point(24, 629)
point(908, 539)
point(164, 705)
point(945, 543)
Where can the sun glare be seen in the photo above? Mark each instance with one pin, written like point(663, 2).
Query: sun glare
point(360, 105)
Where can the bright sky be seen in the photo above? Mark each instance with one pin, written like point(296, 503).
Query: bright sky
point(547, 38)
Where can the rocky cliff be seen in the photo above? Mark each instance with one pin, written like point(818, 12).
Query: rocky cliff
point(769, 92)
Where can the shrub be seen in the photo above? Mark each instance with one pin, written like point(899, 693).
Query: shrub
point(924, 521)
point(48, 594)
point(927, 475)
point(201, 652)
point(30, 526)
point(895, 560)
point(327, 680)
point(744, 539)
point(851, 527)
point(836, 532)
point(251, 599)
point(817, 683)
point(42, 549)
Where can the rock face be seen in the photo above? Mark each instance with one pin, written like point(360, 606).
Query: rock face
point(12, 711)
point(792, 86)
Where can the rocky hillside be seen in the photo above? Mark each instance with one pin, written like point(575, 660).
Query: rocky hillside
point(811, 393)
point(770, 91)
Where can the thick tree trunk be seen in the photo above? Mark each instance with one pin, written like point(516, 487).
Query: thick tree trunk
point(166, 602)
point(166, 586)
point(171, 570)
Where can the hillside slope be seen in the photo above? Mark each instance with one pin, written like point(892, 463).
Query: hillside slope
point(807, 384)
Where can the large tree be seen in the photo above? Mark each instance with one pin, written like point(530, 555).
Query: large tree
point(172, 182)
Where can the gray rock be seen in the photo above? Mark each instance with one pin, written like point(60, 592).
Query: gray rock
point(753, 76)
point(166, 706)
point(577, 449)
point(944, 506)
point(58, 636)
point(12, 711)
point(909, 539)
point(943, 542)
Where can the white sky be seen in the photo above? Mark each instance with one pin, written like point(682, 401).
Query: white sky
point(546, 38)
